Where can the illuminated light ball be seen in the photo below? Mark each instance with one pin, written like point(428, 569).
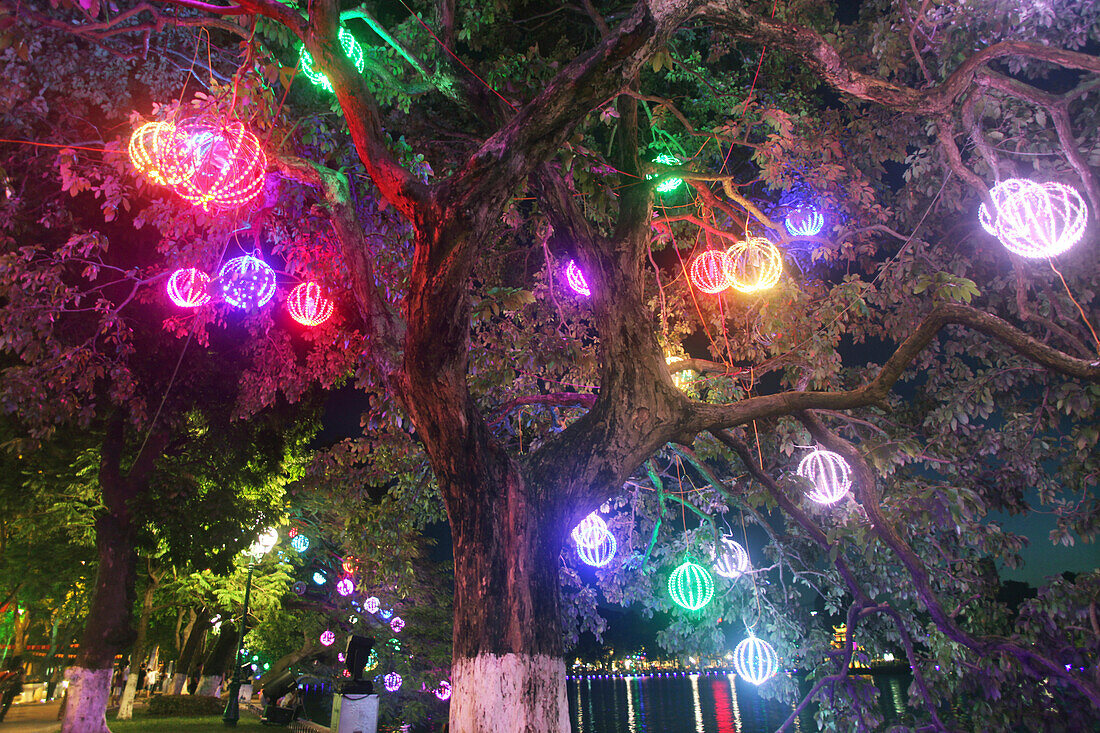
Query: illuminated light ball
point(755, 660)
point(372, 660)
point(443, 692)
point(732, 561)
point(292, 532)
point(371, 605)
point(319, 578)
point(300, 543)
point(575, 278)
point(590, 531)
point(345, 586)
point(1042, 220)
point(999, 194)
point(150, 147)
point(327, 638)
point(226, 162)
point(829, 473)
point(247, 282)
point(340, 657)
point(804, 221)
point(754, 264)
point(307, 306)
point(386, 614)
point(602, 553)
point(187, 288)
point(670, 184)
point(299, 588)
point(691, 586)
point(392, 682)
point(710, 272)
point(397, 624)
point(352, 50)
point(349, 565)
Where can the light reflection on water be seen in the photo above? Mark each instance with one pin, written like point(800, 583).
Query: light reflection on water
point(717, 703)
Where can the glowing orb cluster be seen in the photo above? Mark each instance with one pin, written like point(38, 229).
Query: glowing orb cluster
point(829, 473)
point(753, 264)
point(1035, 219)
point(247, 282)
point(443, 692)
point(345, 586)
point(691, 586)
point(352, 50)
point(371, 605)
point(732, 561)
point(397, 624)
point(187, 288)
point(669, 184)
point(392, 682)
point(576, 280)
point(595, 543)
point(709, 272)
point(755, 660)
point(327, 638)
point(307, 305)
point(300, 543)
point(804, 221)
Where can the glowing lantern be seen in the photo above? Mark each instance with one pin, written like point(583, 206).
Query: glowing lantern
point(345, 586)
point(443, 692)
point(732, 560)
point(576, 280)
point(386, 614)
point(755, 660)
point(372, 660)
point(999, 194)
point(601, 553)
point(691, 586)
point(589, 532)
point(1042, 220)
point(320, 578)
point(371, 605)
point(670, 184)
point(247, 282)
point(149, 148)
point(299, 588)
point(754, 264)
point(352, 50)
point(292, 532)
point(226, 164)
point(709, 272)
point(805, 221)
point(300, 543)
point(327, 638)
point(349, 564)
point(397, 624)
point(829, 474)
point(307, 306)
point(187, 288)
point(392, 682)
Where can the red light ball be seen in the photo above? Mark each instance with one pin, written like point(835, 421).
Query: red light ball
point(710, 272)
point(187, 288)
point(307, 306)
point(226, 163)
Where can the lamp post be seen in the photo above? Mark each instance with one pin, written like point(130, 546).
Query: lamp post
point(259, 548)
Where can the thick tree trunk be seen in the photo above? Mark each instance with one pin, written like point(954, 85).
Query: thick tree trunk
point(213, 670)
point(190, 653)
point(137, 654)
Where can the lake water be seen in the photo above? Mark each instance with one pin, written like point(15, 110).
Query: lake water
point(702, 703)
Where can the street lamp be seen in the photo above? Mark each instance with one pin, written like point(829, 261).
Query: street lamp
point(256, 552)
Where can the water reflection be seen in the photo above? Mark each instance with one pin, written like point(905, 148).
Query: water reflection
point(698, 707)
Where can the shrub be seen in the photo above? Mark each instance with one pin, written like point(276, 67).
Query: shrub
point(184, 705)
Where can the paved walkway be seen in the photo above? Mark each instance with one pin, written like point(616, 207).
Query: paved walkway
point(32, 717)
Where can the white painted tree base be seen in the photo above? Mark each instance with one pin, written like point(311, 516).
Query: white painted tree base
point(126, 700)
point(518, 693)
point(86, 709)
point(178, 681)
point(209, 685)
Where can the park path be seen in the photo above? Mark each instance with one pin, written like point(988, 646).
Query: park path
point(32, 717)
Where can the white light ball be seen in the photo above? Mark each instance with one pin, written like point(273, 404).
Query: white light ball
point(732, 561)
point(1000, 193)
point(600, 554)
point(1042, 220)
point(590, 531)
point(755, 660)
point(829, 474)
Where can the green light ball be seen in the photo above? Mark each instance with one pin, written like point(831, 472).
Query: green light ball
point(691, 586)
point(670, 184)
point(352, 50)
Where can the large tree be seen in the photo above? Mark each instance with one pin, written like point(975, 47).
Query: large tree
point(540, 128)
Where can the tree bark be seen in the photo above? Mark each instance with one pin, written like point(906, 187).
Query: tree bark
point(213, 670)
point(137, 653)
point(189, 653)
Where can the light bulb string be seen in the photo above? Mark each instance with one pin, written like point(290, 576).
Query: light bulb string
point(1081, 310)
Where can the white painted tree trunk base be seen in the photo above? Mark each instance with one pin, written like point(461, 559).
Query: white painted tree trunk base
point(126, 700)
point(517, 693)
point(176, 686)
point(209, 685)
point(86, 709)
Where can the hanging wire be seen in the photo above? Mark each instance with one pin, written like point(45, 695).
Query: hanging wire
point(1079, 308)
